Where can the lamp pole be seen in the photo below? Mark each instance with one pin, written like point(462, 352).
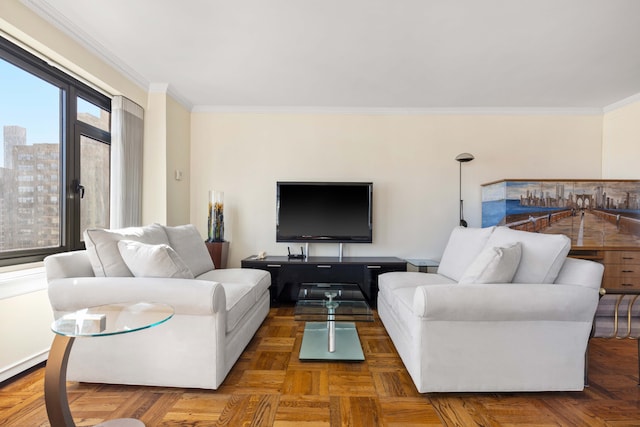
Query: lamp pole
point(462, 158)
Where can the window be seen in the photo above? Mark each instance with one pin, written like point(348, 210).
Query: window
point(93, 115)
point(54, 158)
point(94, 169)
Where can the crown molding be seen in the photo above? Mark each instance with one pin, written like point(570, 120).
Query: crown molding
point(58, 20)
point(167, 89)
point(622, 103)
point(398, 111)
point(178, 97)
point(158, 88)
point(55, 18)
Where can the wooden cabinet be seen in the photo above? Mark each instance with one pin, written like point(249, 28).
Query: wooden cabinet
point(621, 270)
point(621, 266)
point(288, 274)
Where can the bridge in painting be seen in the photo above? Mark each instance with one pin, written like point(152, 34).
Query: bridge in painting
point(585, 227)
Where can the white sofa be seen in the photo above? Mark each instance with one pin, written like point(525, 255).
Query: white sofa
point(458, 331)
point(217, 312)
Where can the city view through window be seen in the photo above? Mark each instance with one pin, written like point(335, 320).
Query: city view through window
point(31, 118)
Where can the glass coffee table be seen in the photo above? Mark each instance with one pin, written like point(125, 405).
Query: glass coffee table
point(330, 310)
point(104, 320)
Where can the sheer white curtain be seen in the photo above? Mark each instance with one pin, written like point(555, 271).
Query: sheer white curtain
point(127, 126)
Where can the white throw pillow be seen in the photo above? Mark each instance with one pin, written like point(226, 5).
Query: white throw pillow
point(463, 247)
point(494, 265)
point(153, 260)
point(542, 254)
point(102, 247)
point(188, 243)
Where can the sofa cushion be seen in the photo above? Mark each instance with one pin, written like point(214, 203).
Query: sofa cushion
point(242, 287)
point(186, 241)
point(102, 247)
point(260, 280)
point(494, 265)
point(145, 260)
point(388, 283)
point(463, 247)
point(240, 300)
point(542, 254)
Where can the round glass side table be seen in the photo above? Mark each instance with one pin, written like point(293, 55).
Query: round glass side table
point(104, 320)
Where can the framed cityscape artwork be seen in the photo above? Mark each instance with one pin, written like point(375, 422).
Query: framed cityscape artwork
point(593, 213)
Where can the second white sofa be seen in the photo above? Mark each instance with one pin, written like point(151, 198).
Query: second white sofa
point(460, 330)
point(217, 312)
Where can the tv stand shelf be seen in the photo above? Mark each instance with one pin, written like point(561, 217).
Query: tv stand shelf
point(287, 274)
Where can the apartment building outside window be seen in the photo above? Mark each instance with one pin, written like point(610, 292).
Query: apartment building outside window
point(54, 158)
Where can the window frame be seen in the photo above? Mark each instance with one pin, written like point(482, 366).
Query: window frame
point(69, 161)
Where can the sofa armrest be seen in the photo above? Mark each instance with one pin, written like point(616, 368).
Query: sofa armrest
point(500, 302)
point(581, 272)
point(186, 296)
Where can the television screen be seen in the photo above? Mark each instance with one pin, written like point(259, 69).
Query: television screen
point(324, 212)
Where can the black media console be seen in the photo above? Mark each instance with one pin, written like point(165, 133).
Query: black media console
point(287, 274)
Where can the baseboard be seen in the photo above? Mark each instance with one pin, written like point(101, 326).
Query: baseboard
point(21, 366)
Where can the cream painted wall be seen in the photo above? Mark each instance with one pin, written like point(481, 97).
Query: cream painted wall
point(621, 143)
point(154, 170)
point(178, 158)
point(25, 333)
point(166, 148)
point(409, 158)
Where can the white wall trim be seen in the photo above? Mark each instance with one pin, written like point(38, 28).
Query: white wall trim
point(398, 111)
point(167, 89)
point(20, 282)
point(23, 365)
point(51, 15)
point(178, 97)
point(622, 103)
point(158, 87)
point(16, 38)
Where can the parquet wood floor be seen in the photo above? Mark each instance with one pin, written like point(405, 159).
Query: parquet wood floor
point(269, 386)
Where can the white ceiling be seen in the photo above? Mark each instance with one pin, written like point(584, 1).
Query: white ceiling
point(367, 54)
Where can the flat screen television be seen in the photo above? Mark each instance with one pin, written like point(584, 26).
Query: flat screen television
point(337, 212)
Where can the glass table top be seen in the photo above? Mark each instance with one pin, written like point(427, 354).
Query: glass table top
point(423, 262)
point(317, 291)
point(321, 302)
point(112, 319)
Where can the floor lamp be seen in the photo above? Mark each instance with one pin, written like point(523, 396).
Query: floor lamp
point(463, 158)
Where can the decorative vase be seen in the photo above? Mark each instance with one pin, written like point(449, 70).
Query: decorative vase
point(215, 224)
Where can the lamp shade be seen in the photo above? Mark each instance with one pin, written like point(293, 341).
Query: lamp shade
point(464, 157)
